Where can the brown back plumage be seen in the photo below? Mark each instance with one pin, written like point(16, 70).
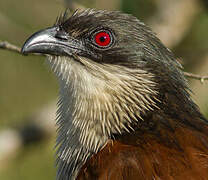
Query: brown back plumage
point(144, 156)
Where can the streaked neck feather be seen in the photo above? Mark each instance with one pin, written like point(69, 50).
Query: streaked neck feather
point(95, 102)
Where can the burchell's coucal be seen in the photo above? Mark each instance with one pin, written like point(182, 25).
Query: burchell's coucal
point(125, 110)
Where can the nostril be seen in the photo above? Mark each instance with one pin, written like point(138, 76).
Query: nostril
point(61, 35)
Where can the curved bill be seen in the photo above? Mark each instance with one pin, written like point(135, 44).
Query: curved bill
point(52, 41)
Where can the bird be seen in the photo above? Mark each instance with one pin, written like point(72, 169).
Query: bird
point(125, 110)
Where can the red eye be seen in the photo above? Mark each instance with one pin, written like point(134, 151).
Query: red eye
point(102, 38)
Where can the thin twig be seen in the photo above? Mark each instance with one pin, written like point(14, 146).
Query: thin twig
point(11, 47)
point(196, 76)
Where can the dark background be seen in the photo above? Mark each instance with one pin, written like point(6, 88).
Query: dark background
point(27, 86)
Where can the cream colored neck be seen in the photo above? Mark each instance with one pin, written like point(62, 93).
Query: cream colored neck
point(94, 104)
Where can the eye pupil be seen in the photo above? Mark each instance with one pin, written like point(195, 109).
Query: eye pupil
point(102, 39)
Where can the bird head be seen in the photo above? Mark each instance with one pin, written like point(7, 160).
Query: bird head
point(104, 37)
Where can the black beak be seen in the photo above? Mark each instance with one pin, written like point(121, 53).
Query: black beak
point(52, 41)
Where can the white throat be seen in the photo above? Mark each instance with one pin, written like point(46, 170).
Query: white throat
point(94, 103)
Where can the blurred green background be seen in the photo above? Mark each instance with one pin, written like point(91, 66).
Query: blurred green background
point(27, 84)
